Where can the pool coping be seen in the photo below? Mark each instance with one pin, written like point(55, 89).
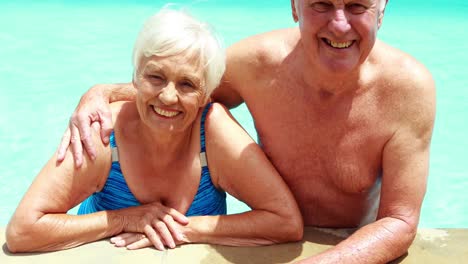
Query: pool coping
point(430, 246)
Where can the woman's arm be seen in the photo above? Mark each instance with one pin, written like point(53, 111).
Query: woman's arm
point(240, 167)
point(40, 222)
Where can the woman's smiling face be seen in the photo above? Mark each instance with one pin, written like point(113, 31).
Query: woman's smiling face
point(171, 91)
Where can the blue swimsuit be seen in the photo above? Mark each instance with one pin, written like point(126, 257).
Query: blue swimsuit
point(116, 194)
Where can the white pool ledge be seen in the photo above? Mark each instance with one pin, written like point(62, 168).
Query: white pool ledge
point(430, 246)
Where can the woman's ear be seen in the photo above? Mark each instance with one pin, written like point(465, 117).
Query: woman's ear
point(205, 99)
point(133, 79)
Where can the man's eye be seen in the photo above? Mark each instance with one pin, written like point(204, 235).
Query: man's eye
point(321, 6)
point(356, 8)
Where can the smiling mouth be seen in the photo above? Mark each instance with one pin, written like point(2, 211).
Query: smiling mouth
point(338, 45)
point(165, 113)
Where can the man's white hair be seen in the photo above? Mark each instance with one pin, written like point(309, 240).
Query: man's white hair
point(172, 32)
point(383, 3)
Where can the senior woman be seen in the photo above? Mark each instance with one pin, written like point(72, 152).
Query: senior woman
point(162, 180)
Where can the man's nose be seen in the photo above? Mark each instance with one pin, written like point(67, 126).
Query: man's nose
point(339, 23)
point(168, 94)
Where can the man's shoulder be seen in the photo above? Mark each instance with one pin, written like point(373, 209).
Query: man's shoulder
point(254, 59)
point(408, 86)
point(401, 70)
point(266, 48)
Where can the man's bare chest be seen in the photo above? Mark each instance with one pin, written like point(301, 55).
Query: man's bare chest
point(343, 150)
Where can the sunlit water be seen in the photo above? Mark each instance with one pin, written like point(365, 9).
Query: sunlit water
point(52, 52)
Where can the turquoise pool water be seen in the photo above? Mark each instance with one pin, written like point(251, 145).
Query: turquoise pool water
point(52, 52)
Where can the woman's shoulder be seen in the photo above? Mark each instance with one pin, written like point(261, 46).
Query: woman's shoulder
point(218, 110)
point(217, 116)
point(221, 126)
point(122, 110)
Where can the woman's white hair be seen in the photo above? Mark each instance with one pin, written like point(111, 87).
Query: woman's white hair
point(172, 32)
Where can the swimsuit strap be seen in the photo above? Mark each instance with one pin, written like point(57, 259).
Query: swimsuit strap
point(202, 136)
point(113, 145)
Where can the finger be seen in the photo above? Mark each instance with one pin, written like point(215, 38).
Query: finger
point(77, 148)
point(121, 236)
point(106, 125)
point(142, 243)
point(153, 237)
point(173, 227)
point(177, 216)
point(84, 128)
point(64, 143)
point(164, 233)
point(129, 239)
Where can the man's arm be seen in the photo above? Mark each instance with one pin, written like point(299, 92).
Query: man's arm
point(241, 61)
point(93, 107)
point(405, 169)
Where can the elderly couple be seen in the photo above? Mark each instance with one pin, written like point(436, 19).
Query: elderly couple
point(345, 124)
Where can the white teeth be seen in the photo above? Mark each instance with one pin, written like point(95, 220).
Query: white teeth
point(339, 45)
point(164, 112)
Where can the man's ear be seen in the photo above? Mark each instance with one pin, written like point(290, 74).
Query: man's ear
point(381, 13)
point(294, 11)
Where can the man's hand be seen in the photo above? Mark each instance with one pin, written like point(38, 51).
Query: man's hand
point(151, 224)
point(93, 107)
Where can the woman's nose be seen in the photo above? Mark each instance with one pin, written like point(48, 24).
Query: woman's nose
point(168, 94)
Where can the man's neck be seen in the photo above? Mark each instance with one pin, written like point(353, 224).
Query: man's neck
point(328, 86)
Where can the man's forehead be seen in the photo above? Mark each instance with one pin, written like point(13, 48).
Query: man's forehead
point(382, 2)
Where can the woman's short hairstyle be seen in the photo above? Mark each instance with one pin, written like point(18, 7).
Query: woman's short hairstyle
point(172, 32)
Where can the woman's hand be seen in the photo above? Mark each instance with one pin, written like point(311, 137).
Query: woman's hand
point(151, 224)
point(134, 241)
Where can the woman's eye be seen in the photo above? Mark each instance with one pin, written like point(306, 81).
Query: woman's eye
point(187, 84)
point(155, 77)
point(321, 6)
point(356, 8)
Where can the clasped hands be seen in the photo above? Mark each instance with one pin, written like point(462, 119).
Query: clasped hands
point(151, 225)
